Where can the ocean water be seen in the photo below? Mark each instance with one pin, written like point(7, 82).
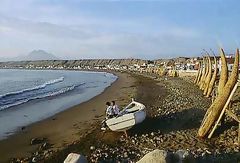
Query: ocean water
point(28, 96)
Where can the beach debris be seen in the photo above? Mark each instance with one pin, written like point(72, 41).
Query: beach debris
point(44, 146)
point(35, 159)
point(75, 158)
point(35, 141)
point(225, 89)
point(92, 148)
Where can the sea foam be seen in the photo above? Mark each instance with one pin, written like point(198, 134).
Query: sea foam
point(54, 81)
point(48, 94)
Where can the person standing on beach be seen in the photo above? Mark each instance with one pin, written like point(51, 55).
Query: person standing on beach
point(109, 110)
point(115, 108)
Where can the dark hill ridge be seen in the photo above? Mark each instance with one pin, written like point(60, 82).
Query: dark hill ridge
point(76, 63)
point(72, 63)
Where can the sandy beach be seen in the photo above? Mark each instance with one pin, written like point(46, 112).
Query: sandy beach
point(67, 126)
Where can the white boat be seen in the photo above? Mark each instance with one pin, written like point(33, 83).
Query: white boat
point(133, 114)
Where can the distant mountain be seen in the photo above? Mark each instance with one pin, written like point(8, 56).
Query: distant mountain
point(35, 55)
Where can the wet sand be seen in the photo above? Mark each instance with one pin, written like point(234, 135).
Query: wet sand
point(69, 125)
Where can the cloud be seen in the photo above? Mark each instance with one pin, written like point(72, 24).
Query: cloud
point(50, 26)
point(43, 28)
point(88, 41)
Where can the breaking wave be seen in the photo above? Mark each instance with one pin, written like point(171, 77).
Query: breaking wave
point(48, 94)
point(54, 81)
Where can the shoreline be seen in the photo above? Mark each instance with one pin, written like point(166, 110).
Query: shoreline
point(64, 127)
point(36, 110)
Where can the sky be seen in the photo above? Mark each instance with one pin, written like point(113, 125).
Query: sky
point(147, 29)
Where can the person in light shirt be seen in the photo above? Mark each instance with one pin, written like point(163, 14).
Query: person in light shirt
point(109, 114)
point(109, 110)
point(115, 108)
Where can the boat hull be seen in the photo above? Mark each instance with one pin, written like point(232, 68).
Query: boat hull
point(128, 120)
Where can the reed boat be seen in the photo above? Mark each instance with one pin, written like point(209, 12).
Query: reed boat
point(133, 114)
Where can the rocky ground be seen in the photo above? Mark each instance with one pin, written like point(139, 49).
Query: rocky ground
point(174, 116)
point(175, 109)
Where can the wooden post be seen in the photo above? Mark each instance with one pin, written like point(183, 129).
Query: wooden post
point(223, 110)
point(239, 133)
